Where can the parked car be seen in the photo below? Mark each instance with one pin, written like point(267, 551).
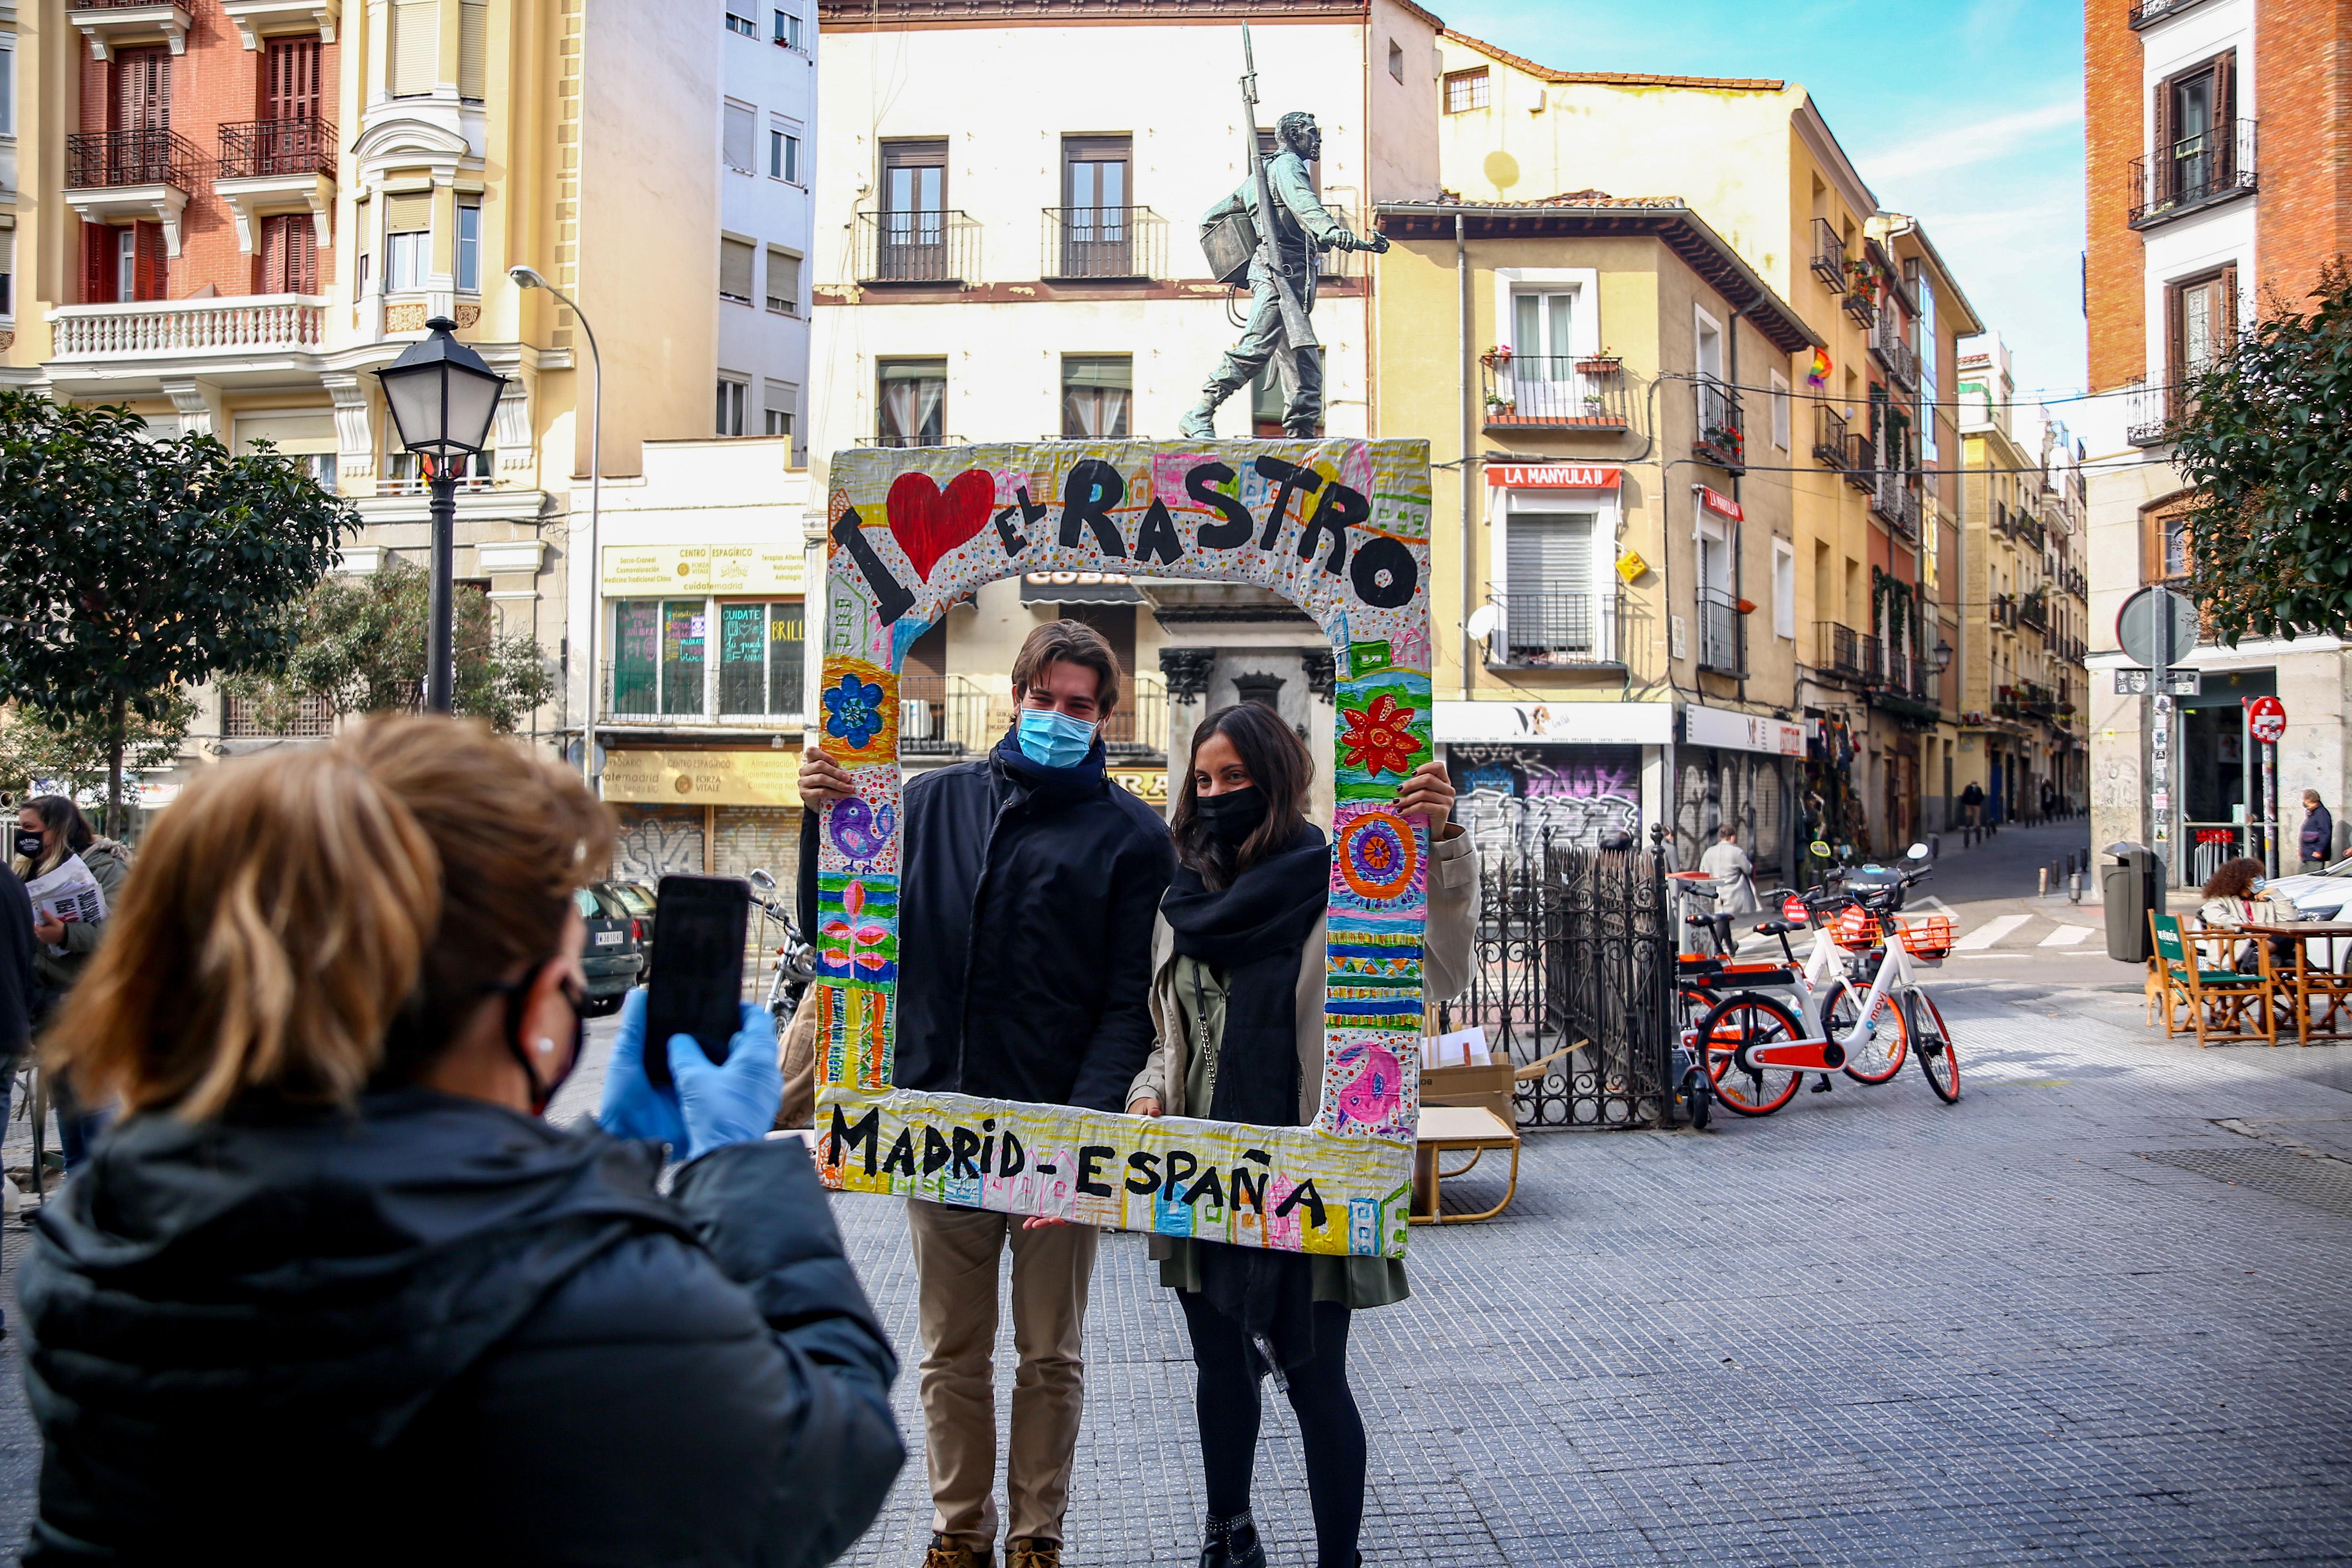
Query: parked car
point(640, 901)
point(615, 954)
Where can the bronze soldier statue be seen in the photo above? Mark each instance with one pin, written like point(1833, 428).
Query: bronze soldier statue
point(1301, 227)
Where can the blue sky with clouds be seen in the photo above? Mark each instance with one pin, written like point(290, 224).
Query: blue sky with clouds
point(1968, 114)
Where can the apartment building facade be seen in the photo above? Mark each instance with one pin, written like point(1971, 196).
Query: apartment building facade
point(768, 170)
point(1023, 265)
point(2216, 132)
point(2024, 710)
point(1868, 458)
point(1617, 642)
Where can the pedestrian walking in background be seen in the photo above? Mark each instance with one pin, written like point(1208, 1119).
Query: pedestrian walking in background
point(1733, 872)
point(2317, 839)
point(16, 991)
point(1972, 801)
point(1028, 888)
point(335, 1290)
point(2049, 801)
point(50, 830)
point(1237, 997)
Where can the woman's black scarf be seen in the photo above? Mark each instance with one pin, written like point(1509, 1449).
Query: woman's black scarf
point(1255, 932)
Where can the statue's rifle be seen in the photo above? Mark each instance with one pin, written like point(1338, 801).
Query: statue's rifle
point(1295, 325)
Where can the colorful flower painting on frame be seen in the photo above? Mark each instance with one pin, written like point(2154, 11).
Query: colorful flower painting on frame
point(1338, 528)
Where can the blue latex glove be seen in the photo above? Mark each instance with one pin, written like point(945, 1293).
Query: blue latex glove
point(731, 1102)
point(631, 1107)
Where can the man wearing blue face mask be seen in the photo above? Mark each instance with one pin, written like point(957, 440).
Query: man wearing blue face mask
point(1028, 888)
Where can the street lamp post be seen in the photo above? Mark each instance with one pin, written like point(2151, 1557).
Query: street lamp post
point(531, 277)
point(443, 398)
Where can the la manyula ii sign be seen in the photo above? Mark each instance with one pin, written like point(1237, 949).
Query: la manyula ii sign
point(1340, 528)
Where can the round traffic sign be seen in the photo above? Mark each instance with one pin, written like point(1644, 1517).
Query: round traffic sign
point(2266, 717)
point(1792, 909)
point(2156, 626)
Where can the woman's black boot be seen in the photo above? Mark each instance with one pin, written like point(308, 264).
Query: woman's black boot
point(1232, 1543)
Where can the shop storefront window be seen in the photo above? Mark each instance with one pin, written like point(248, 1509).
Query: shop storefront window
point(658, 656)
point(759, 645)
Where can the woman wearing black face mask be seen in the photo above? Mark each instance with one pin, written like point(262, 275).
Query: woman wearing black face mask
point(333, 1288)
point(1237, 1009)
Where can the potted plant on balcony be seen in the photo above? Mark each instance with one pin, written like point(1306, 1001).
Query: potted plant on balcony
point(1605, 362)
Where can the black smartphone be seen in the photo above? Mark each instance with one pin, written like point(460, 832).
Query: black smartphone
point(697, 987)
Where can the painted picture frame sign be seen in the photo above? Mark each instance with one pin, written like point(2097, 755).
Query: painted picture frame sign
point(1339, 528)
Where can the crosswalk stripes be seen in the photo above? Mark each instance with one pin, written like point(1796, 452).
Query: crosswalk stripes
point(2065, 936)
point(1990, 932)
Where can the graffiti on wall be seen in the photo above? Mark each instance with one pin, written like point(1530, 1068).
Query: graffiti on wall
point(657, 845)
point(1511, 796)
point(1338, 528)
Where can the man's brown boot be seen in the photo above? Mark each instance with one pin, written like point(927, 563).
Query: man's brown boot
point(1033, 1551)
point(948, 1552)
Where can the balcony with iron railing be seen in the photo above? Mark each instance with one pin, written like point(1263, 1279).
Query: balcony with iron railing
point(1828, 256)
point(1894, 502)
point(2002, 612)
point(1722, 634)
point(1858, 304)
point(1861, 462)
point(1829, 436)
point(154, 155)
point(2144, 11)
point(1103, 243)
point(255, 149)
point(1537, 392)
point(1887, 343)
point(2033, 611)
point(1838, 650)
point(2195, 172)
point(2071, 579)
point(1544, 628)
point(925, 247)
point(1721, 439)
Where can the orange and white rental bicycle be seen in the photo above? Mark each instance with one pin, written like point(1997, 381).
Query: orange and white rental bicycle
point(1759, 1048)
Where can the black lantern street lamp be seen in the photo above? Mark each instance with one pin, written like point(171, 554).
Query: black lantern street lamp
point(1943, 656)
point(443, 398)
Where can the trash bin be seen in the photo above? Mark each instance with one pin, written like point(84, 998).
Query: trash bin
point(2131, 885)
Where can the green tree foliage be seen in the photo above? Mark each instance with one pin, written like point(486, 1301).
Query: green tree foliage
point(2266, 437)
point(359, 642)
point(39, 750)
point(131, 566)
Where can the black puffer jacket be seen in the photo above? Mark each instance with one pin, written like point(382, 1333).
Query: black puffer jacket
point(1024, 931)
point(443, 1331)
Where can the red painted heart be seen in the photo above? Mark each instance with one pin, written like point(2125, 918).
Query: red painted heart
point(928, 524)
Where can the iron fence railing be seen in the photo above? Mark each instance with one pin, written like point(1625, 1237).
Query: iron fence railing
point(1721, 440)
point(154, 155)
point(928, 246)
point(2192, 172)
point(1544, 392)
point(1722, 634)
point(1887, 343)
point(1828, 435)
point(1828, 256)
point(1858, 304)
point(301, 145)
point(1861, 462)
point(1543, 628)
point(1575, 951)
point(1104, 242)
point(1837, 649)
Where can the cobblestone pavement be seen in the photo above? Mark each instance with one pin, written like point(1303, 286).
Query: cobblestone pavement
point(2072, 1318)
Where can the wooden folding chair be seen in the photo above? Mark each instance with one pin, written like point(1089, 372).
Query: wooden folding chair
point(2223, 1006)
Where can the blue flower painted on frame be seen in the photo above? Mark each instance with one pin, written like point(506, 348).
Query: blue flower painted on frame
point(854, 711)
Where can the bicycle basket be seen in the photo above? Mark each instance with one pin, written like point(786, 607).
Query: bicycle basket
point(1855, 927)
point(1929, 939)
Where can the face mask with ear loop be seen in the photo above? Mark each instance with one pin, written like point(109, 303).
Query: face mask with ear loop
point(517, 995)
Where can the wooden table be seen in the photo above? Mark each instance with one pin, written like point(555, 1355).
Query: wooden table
point(2325, 986)
point(1446, 1128)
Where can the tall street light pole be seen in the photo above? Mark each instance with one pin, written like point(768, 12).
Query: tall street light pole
point(531, 277)
point(443, 398)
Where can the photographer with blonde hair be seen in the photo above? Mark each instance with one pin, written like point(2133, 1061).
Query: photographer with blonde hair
point(334, 1290)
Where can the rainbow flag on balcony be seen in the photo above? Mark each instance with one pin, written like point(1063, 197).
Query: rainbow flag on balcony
point(1819, 374)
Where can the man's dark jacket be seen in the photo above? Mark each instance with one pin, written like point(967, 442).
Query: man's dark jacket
point(1026, 909)
point(16, 966)
point(440, 1331)
point(2318, 835)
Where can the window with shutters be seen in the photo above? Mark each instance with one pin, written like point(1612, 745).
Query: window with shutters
point(734, 394)
point(914, 208)
point(738, 20)
point(1781, 420)
point(2195, 150)
point(1784, 590)
point(407, 238)
point(739, 125)
point(143, 90)
point(780, 415)
point(735, 263)
point(784, 155)
point(289, 255)
point(8, 83)
point(2202, 322)
point(290, 80)
point(473, 49)
point(415, 47)
point(783, 282)
point(1550, 613)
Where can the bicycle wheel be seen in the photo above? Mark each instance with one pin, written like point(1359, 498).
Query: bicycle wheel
point(1748, 1018)
point(1936, 1059)
point(1698, 1099)
point(1877, 1055)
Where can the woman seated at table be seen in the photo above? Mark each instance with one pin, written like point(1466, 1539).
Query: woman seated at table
point(2233, 899)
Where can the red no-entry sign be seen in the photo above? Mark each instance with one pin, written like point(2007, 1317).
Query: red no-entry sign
point(2266, 717)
